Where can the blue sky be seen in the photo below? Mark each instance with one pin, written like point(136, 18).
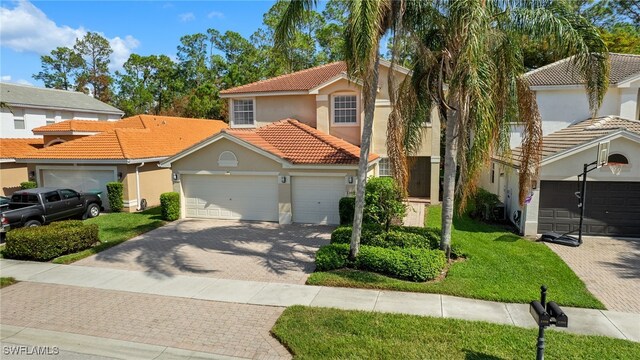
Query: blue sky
point(29, 29)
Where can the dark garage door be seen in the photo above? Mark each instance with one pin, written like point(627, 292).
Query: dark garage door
point(612, 208)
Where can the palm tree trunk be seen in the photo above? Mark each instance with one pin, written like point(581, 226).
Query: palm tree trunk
point(370, 92)
point(449, 186)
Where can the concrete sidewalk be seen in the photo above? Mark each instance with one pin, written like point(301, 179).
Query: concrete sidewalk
point(583, 321)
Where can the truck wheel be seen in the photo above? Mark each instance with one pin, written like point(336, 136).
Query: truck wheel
point(93, 210)
point(32, 223)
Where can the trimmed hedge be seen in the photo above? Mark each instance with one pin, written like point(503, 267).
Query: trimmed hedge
point(383, 202)
point(398, 236)
point(170, 206)
point(44, 243)
point(28, 185)
point(481, 205)
point(412, 264)
point(347, 210)
point(114, 194)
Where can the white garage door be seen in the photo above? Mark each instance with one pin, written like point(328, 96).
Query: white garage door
point(79, 180)
point(231, 197)
point(316, 199)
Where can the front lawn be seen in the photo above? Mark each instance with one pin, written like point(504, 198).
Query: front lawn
point(6, 281)
point(116, 228)
point(499, 266)
point(340, 334)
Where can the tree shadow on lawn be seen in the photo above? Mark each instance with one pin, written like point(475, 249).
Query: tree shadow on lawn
point(474, 355)
point(205, 247)
point(467, 224)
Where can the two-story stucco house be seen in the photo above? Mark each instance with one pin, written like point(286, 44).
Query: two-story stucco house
point(31, 107)
point(570, 139)
point(292, 150)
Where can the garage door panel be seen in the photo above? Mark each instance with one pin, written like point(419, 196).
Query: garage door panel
point(611, 208)
point(231, 197)
point(79, 180)
point(316, 199)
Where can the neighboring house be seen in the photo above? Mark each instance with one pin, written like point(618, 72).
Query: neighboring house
point(31, 107)
point(612, 202)
point(85, 155)
point(284, 171)
point(325, 99)
point(12, 173)
point(562, 99)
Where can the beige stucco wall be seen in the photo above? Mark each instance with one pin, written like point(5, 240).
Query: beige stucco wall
point(205, 161)
point(11, 175)
point(273, 108)
point(153, 182)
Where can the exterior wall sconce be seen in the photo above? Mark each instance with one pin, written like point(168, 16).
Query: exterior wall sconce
point(32, 174)
point(174, 176)
point(283, 179)
point(534, 184)
point(120, 176)
point(350, 179)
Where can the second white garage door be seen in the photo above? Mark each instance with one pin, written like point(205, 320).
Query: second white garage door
point(231, 197)
point(316, 199)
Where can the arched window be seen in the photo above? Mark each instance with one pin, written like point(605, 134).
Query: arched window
point(618, 158)
point(227, 158)
point(55, 142)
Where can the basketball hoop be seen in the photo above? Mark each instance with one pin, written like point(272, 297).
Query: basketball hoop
point(615, 168)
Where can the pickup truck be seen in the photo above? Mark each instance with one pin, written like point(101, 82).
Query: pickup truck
point(41, 206)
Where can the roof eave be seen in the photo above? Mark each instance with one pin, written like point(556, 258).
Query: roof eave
point(35, 106)
point(89, 161)
point(263, 93)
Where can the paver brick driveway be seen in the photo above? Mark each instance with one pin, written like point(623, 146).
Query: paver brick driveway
point(609, 267)
point(257, 251)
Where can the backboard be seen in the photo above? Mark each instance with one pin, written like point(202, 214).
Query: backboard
point(603, 154)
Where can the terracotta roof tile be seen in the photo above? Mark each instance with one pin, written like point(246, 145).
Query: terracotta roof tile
point(12, 148)
point(76, 125)
point(137, 137)
point(579, 133)
point(623, 67)
point(298, 81)
point(301, 144)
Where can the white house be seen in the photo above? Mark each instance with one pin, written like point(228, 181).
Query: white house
point(562, 99)
point(31, 107)
point(570, 140)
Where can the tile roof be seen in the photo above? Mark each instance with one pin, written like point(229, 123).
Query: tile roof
point(303, 80)
point(300, 144)
point(76, 126)
point(137, 137)
point(24, 95)
point(11, 148)
point(623, 67)
point(580, 133)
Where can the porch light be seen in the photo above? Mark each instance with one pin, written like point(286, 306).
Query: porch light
point(283, 179)
point(120, 176)
point(350, 180)
point(174, 176)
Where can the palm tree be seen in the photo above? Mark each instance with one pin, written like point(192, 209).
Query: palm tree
point(367, 22)
point(469, 66)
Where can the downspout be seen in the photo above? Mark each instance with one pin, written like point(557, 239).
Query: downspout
point(138, 185)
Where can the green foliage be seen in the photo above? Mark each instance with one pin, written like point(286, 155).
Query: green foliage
point(481, 205)
point(95, 50)
point(332, 257)
point(60, 69)
point(44, 243)
point(347, 207)
point(114, 194)
point(397, 237)
point(383, 201)
point(28, 185)
point(170, 205)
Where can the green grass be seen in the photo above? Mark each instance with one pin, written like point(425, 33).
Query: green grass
point(499, 266)
point(115, 228)
point(6, 281)
point(320, 333)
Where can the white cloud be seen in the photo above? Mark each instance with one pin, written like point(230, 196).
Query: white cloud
point(186, 17)
point(215, 14)
point(6, 78)
point(25, 28)
point(23, 82)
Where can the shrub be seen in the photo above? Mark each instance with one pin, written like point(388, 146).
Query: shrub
point(44, 243)
point(331, 257)
point(383, 201)
point(398, 236)
point(342, 235)
point(347, 208)
point(170, 206)
point(481, 205)
point(114, 194)
point(28, 185)
point(409, 264)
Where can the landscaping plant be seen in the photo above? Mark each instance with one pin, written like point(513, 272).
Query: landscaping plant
point(28, 185)
point(170, 205)
point(114, 194)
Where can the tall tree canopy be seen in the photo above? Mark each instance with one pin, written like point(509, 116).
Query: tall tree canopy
point(95, 50)
point(61, 69)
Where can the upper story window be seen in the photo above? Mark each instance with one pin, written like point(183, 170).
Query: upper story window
point(18, 119)
point(384, 167)
point(345, 109)
point(243, 112)
point(51, 117)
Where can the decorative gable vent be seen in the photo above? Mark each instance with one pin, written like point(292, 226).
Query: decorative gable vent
point(228, 159)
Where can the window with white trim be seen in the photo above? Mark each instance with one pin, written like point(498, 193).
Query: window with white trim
point(51, 117)
point(243, 112)
point(384, 167)
point(18, 119)
point(345, 109)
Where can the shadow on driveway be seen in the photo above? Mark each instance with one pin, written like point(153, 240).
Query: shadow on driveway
point(258, 251)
